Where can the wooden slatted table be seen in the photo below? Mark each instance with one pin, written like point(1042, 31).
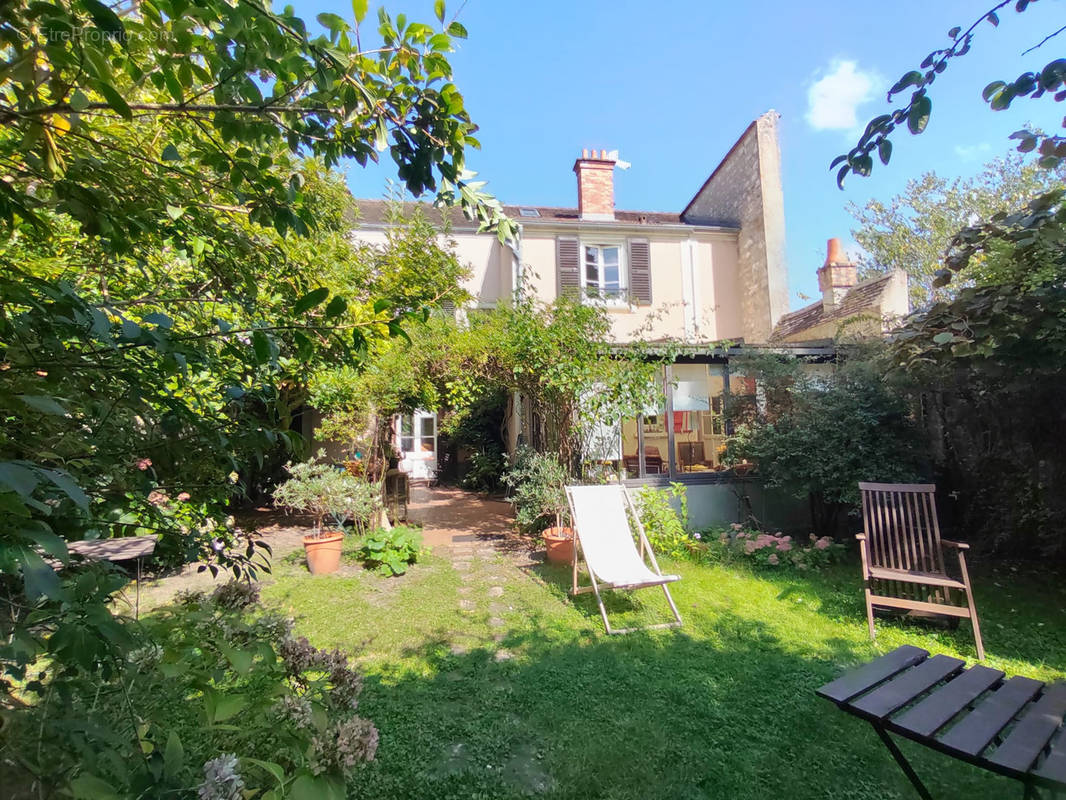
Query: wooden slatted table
point(127, 548)
point(1013, 727)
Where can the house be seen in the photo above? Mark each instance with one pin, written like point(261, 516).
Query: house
point(848, 307)
point(712, 272)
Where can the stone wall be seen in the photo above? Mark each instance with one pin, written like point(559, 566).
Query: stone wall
point(745, 191)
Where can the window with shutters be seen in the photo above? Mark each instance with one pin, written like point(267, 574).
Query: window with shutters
point(603, 272)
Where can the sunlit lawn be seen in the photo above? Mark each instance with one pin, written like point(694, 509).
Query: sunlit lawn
point(724, 708)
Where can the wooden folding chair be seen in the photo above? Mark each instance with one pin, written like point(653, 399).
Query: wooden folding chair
point(903, 556)
point(601, 531)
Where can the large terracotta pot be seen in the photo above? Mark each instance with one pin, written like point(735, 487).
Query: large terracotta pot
point(324, 552)
point(559, 543)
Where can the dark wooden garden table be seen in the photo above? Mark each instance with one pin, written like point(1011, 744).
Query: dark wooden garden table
point(1013, 727)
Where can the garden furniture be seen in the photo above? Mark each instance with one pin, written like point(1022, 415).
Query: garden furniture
point(603, 535)
point(126, 548)
point(903, 556)
point(1011, 727)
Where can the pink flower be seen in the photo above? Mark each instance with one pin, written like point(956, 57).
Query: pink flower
point(783, 546)
point(786, 538)
point(157, 498)
point(737, 526)
point(772, 559)
point(742, 536)
point(749, 547)
point(823, 543)
point(183, 497)
point(144, 463)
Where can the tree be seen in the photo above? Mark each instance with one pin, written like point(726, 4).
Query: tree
point(821, 433)
point(912, 231)
point(1048, 80)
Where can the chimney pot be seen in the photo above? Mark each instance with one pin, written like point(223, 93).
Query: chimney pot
point(837, 275)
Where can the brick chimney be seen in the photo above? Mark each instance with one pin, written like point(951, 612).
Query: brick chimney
point(836, 276)
point(595, 184)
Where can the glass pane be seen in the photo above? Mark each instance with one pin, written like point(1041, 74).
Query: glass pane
point(610, 256)
point(427, 444)
point(407, 443)
point(426, 425)
point(655, 448)
point(592, 266)
point(610, 278)
point(406, 425)
point(698, 423)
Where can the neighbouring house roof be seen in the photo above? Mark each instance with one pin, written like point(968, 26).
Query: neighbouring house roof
point(374, 213)
point(863, 299)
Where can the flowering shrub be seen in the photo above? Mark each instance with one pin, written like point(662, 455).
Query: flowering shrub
point(666, 529)
point(227, 704)
point(776, 550)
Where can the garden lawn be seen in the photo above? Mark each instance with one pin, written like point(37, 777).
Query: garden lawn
point(723, 708)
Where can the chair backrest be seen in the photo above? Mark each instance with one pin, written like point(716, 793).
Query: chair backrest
point(902, 531)
point(599, 518)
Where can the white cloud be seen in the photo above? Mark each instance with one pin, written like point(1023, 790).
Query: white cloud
point(972, 152)
point(833, 99)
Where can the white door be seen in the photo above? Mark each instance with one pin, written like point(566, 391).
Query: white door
point(416, 436)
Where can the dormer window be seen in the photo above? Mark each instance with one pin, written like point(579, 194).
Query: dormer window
point(604, 273)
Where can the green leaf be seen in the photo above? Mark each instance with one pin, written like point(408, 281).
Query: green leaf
point(322, 787)
point(39, 578)
point(359, 8)
point(106, 20)
point(160, 319)
point(918, 117)
point(170, 153)
point(18, 478)
point(89, 787)
point(275, 770)
point(173, 755)
point(438, 9)
point(261, 347)
point(457, 30)
point(41, 535)
point(331, 21)
point(44, 404)
point(884, 150)
point(912, 78)
point(175, 212)
point(241, 660)
point(66, 484)
point(226, 706)
point(78, 101)
point(310, 300)
point(337, 306)
point(943, 337)
point(115, 100)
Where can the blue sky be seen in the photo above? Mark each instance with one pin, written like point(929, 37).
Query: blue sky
point(672, 84)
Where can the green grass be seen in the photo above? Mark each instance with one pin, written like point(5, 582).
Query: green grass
point(723, 708)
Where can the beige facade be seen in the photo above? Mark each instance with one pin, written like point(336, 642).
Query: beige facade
point(713, 272)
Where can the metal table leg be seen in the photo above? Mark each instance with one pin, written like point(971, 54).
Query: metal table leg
point(901, 759)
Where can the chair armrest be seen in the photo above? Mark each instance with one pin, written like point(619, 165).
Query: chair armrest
point(860, 537)
point(955, 545)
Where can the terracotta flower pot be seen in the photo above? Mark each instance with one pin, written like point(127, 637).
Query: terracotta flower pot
point(559, 543)
point(324, 552)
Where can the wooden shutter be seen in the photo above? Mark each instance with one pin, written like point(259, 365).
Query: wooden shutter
point(640, 272)
point(567, 265)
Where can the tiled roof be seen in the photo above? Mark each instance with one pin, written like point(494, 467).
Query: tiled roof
point(863, 298)
point(374, 212)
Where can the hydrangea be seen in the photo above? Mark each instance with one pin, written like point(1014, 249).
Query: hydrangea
point(221, 780)
point(343, 745)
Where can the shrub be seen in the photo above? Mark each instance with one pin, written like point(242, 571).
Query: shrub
point(318, 488)
point(390, 552)
point(538, 482)
point(666, 529)
point(774, 550)
point(486, 468)
point(217, 700)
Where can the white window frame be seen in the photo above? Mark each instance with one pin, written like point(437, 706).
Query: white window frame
point(594, 292)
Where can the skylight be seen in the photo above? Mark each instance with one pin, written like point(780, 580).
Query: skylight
point(528, 212)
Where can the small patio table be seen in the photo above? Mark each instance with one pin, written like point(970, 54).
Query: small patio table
point(1012, 727)
point(128, 548)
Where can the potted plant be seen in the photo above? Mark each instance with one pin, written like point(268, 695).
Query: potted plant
point(318, 488)
point(538, 482)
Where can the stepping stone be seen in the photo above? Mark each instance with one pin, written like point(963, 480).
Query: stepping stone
point(496, 622)
point(461, 566)
point(467, 605)
point(465, 589)
point(496, 608)
point(504, 655)
point(498, 637)
point(459, 650)
point(496, 591)
point(470, 537)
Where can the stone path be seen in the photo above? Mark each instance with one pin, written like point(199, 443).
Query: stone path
point(475, 533)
